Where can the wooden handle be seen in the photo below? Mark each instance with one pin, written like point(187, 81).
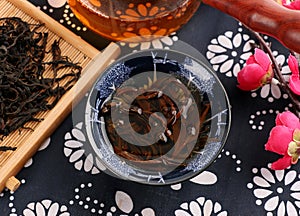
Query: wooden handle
point(264, 16)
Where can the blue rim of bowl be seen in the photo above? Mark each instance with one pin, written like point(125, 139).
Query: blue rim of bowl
point(203, 77)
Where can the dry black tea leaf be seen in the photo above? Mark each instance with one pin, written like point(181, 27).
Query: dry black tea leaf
point(26, 88)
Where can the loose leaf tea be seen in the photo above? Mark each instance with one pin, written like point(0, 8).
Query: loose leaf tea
point(164, 104)
point(7, 148)
point(26, 86)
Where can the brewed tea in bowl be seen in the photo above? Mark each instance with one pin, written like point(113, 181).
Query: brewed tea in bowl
point(157, 117)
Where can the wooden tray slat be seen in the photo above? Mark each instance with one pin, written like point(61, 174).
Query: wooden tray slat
point(27, 142)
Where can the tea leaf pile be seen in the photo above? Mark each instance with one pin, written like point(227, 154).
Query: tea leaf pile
point(26, 87)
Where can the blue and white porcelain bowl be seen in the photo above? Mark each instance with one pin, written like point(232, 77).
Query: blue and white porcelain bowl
point(157, 117)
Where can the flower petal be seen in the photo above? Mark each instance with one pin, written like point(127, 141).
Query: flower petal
point(267, 174)
point(290, 177)
point(262, 193)
point(219, 59)
point(144, 32)
point(54, 209)
point(288, 119)
point(296, 195)
point(254, 73)
point(217, 207)
point(296, 5)
point(195, 208)
point(295, 186)
point(181, 212)
point(76, 155)
point(237, 40)
point(208, 207)
point(293, 5)
point(225, 41)
point(40, 210)
point(78, 134)
point(281, 209)
point(124, 202)
point(205, 178)
point(297, 203)
point(282, 163)
point(279, 139)
point(293, 64)
point(226, 66)
point(216, 48)
point(157, 44)
point(261, 182)
point(291, 210)
point(276, 92)
point(249, 78)
point(148, 212)
point(279, 175)
point(262, 59)
point(28, 212)
point(247, 86)
point(223, 213)
point(272, 203)
point(265, 91)
point(294, 83)
point(251, 60)
point(145, 45)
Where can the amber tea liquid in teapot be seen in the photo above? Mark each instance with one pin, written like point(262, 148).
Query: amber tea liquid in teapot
point(121, 19)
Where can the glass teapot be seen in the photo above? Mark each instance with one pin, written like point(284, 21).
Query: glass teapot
point(121, 19)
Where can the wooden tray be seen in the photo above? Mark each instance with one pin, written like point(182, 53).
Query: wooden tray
point(28, 142)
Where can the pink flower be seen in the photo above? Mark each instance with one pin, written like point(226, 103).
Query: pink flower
point(294, 5)
point(257, 72)
point(294, 80)
point(284, 139)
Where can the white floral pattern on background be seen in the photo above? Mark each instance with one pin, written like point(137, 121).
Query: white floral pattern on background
point(229, 51)
point(77, 155)
point(208, 177)
point(69, 18)
point(204, 178)
point(10, 196)
point(270, 188)
point(164, 42)
point(45, 145)
point(123, 203)
point(57, 3)
point(234, 157)
point(201, 206)
point(46, 208)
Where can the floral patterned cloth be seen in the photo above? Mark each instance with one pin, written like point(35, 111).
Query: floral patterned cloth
point(65, 179)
